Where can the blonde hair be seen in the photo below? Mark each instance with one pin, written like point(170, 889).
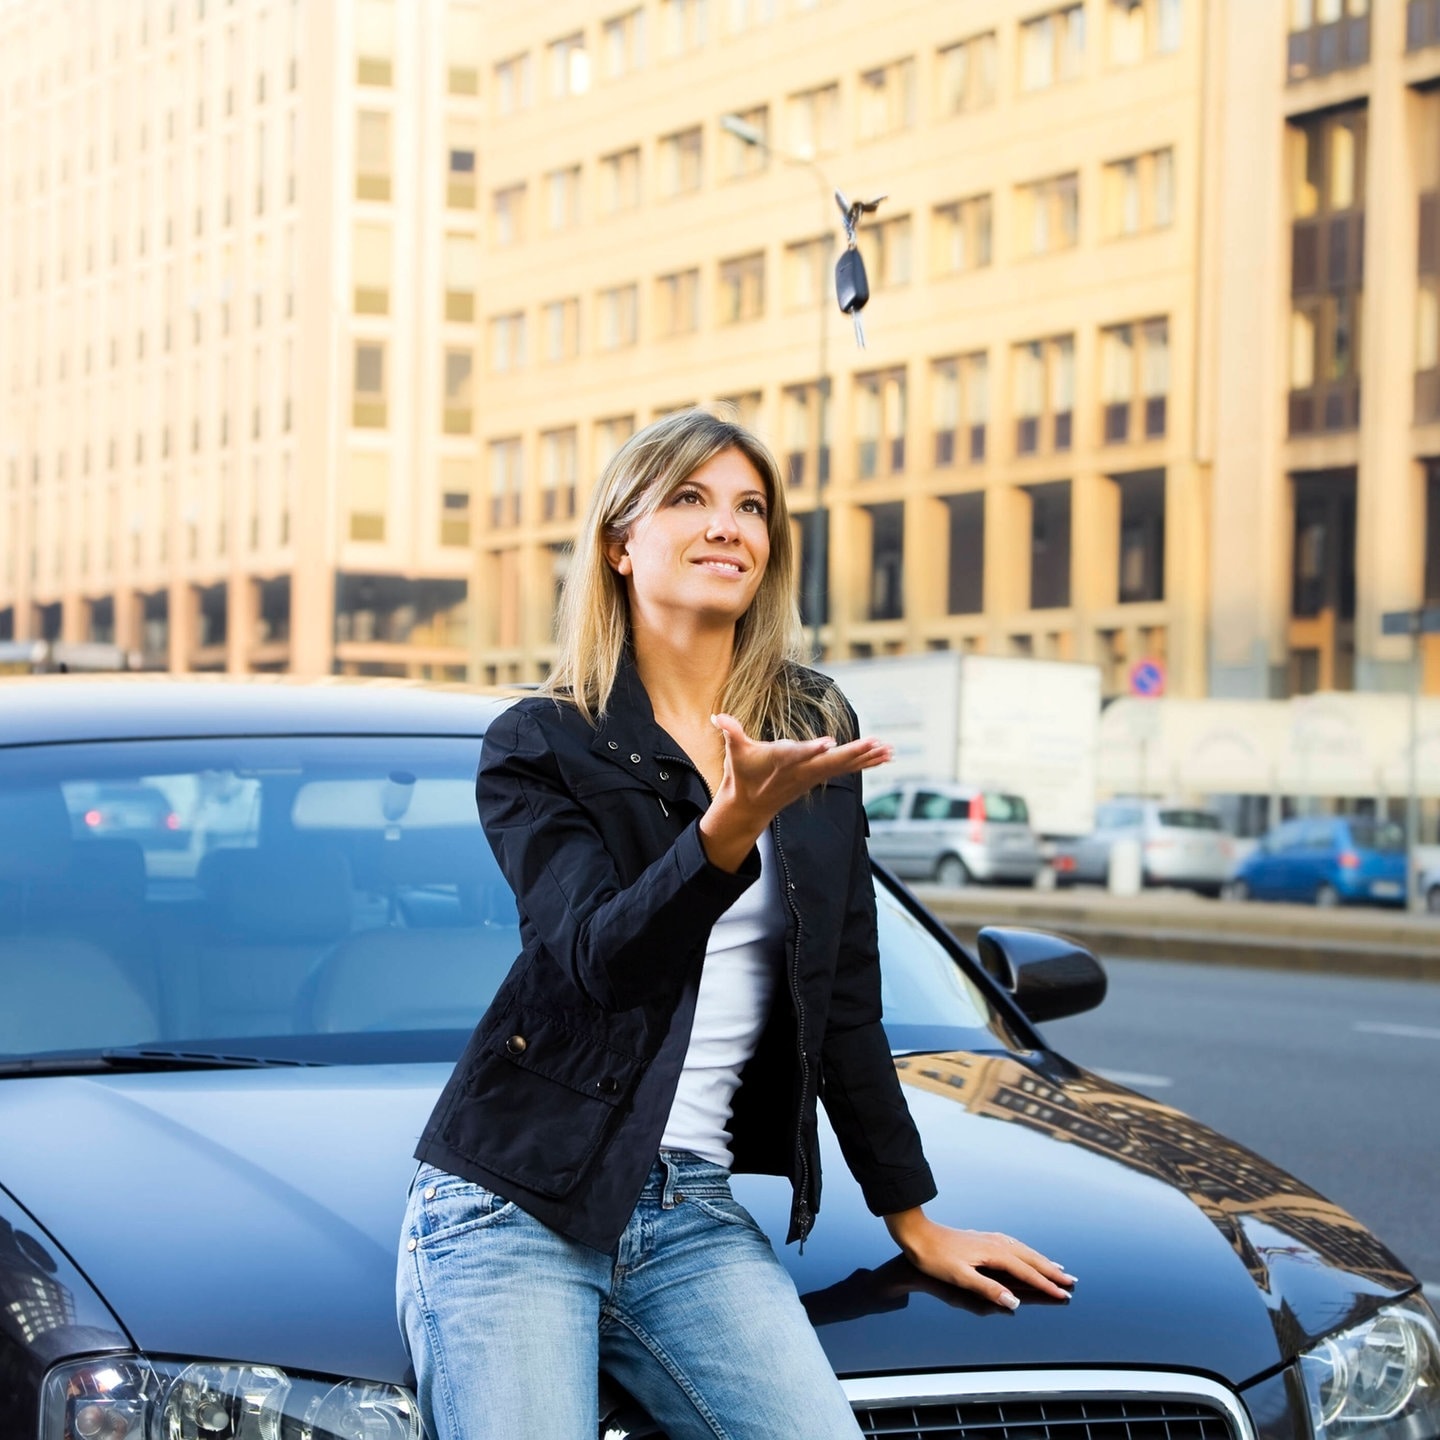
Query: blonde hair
point(768, 690)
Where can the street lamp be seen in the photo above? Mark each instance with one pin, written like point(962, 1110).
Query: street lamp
point(819, 539)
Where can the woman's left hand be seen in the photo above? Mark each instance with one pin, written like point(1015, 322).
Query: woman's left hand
point(957, 1256)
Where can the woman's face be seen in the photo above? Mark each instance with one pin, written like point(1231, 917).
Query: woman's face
point(703, 552)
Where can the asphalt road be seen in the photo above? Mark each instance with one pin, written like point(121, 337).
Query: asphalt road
point(1336, 1079)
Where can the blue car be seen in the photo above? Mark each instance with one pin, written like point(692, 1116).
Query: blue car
point(1334, 860)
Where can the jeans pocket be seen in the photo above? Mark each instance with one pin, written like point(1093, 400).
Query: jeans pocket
point(445, 1207)
point(726, 1210)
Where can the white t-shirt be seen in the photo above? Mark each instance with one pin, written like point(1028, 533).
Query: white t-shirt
point(742, 965)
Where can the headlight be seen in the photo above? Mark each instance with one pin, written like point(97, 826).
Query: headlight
point(131, 1397)
point(1380, 1378)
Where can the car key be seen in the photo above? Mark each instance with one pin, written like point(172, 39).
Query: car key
point(852, 289)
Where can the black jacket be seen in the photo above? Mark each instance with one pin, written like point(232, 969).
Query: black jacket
point(562, 1095)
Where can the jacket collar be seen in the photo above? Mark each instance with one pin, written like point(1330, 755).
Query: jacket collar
point(629, 736)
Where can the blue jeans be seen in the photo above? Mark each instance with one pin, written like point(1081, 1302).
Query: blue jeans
point(508, 1322)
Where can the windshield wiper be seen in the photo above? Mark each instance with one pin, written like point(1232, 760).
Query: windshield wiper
point(141, 1058)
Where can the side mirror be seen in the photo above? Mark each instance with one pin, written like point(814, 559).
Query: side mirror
point(1048, 976)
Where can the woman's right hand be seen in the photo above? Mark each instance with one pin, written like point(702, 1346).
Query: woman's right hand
point(762, 777)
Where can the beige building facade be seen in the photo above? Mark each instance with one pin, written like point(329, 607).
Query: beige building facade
point(237, 330)
point(318, 319)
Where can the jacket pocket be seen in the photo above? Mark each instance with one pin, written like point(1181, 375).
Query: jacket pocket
point(550, 1095)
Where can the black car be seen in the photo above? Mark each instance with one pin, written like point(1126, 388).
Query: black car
point(214, 1065)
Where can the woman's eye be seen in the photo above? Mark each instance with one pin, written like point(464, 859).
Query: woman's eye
point(755, 507)
point(687, 495)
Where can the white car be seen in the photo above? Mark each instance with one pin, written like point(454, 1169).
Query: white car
point(953, 834)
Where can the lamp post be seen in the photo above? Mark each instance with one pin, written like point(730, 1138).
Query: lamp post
point(1424, 620)
point(818, 543)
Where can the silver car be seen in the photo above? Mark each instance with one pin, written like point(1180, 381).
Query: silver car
point(1180, 845)
point(953, 834)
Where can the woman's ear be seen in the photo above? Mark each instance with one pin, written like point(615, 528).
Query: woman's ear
point(618, 556)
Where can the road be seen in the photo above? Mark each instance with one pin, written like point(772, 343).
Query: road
point(1337, 1079)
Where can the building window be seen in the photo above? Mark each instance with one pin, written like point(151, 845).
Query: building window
point(562, 329)
point(569, 66)
point(372, 155)
point(558, 468)
point(374, 42)
point(460, 276)
point(507, 342)
point(1138, 28)
point(808, 272)
point(507, 479)
point(1327, 35)
point(745, 408)
point(507, 216)
point(1328, 168)
point(372, 269)
point(965, 75)
point(960, 408)
point(962, 235)
point(620, 181)
point(1047, 215)
point(1134, 381)
point(1322, 602)
point(462, 51)
point(1427, 292)
point(805, 433)
point(459, 416)
point(886, 100)
point(812, 119)
point(965, 590)
point(880, 418)
point(742, 288)
point(887, 561)
point(622, 43)
point(514, 85)
point(562, 198)
point(739, 158)
point(1142, 537)
point(683, 24)
point(887, 250)
point(1052, 48)
point(610, 434)
point(742, 15)
point(1138, 194)
point(677, 303)
point(370, 408)
point(680, 161)
point(1044, 376)
point(619, 316)
point(455, 503)
point(369, 494)
point(1049, 545)
point(460, 180)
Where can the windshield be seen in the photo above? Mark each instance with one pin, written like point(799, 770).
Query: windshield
point(1007, 809)
point(1382, 835)
point(329, 898)
point(1189, 820)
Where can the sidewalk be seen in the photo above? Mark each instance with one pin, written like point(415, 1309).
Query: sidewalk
point(1175, 925)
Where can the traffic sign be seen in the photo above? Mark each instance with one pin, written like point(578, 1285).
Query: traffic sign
point(1147, 678)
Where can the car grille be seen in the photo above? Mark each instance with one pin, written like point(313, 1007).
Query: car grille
point(1091, 1417)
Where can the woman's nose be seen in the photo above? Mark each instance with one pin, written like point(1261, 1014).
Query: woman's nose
point(723, 525)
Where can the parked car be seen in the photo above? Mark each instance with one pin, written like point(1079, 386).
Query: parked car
point(953, 834)
point(126, 811)
point(210, 1084)
point(1180, 845)
point(1327, 860)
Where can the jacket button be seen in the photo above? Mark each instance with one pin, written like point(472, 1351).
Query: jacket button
point(516, 1044)
point(635, 759)
point(607, 1086)
point(612, 744)
point(664, 774)
point(411, 1244)
point(429, 1192)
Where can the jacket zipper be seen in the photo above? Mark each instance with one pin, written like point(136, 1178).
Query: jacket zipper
point(802, 1201)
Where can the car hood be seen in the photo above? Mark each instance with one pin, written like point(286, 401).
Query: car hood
point(254, 1215)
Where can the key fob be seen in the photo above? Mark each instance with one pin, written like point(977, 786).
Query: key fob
point(852, 286)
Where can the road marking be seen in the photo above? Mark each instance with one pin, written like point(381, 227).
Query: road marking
point(1410, 1032)
point(1137, 1077)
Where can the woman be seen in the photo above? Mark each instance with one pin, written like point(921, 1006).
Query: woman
point(683, 831)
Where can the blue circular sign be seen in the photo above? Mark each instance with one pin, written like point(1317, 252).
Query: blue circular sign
point(1147, 677)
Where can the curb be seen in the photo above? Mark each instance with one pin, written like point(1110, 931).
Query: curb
point(1154, 932)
